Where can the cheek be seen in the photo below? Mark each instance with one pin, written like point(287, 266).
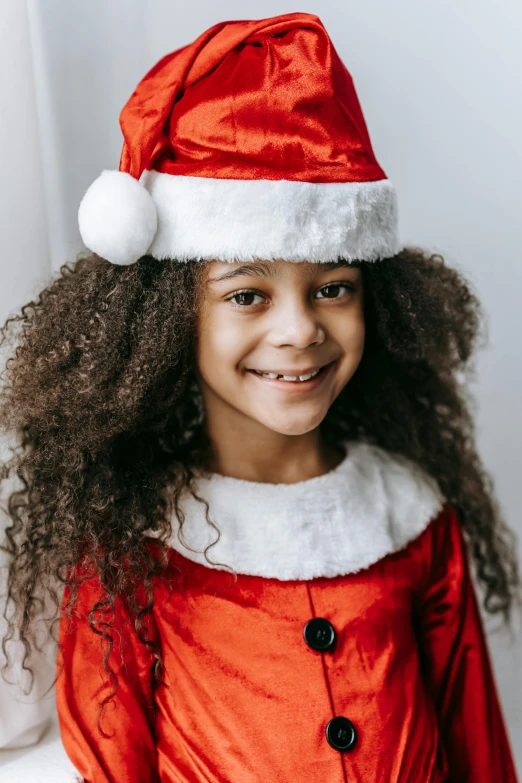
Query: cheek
point(359, 335)
point(352, 334)
point(220, 346)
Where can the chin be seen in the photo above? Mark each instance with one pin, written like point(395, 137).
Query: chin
point(292, 428)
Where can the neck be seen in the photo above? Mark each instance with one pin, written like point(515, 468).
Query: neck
point(272, 457)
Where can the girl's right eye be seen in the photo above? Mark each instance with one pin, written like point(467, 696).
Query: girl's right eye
point(248, 293)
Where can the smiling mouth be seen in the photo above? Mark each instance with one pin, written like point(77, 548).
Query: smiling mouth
point(291, 378)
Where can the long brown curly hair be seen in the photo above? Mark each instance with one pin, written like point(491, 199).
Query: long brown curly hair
point(101, 392)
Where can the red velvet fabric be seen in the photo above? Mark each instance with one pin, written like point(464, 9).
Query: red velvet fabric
point(247, 701)
point(261, 99)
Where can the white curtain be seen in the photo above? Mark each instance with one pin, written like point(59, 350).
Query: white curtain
point(24, 263)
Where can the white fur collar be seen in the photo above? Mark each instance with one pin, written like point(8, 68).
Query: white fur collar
point(373, 503)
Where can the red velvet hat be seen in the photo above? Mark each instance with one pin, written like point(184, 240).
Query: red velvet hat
point(247, 144)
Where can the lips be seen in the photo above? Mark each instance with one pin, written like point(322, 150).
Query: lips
point(290, 372)
point(294, 377)
point(302, 377)
point(296, 386)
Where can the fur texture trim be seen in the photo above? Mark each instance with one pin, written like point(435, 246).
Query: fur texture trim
point(245, 220)
point(372, 504)
point(117, 218)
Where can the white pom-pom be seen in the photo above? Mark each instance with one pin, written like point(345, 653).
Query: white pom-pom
point(117, 218)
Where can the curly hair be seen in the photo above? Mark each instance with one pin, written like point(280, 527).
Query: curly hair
point(101, 392)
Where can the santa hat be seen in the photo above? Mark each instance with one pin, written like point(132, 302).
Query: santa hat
point(247, 144)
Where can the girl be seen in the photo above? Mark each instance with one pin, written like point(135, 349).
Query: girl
point(246, 452)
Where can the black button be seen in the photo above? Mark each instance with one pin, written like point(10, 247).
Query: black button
point(340, 733)
point(320, 634)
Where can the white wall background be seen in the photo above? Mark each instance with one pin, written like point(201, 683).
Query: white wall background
point(440, 88)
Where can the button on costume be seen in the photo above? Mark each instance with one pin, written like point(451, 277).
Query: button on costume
point(350, 647)
point(331, 634)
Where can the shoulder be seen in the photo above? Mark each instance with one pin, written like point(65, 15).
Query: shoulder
point(402, 497)
point(441, 549)
point(411, 496)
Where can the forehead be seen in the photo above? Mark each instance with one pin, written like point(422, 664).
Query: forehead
point(218, 271)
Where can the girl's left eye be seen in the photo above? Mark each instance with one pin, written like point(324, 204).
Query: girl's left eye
point(348, 286)
point(249, 292)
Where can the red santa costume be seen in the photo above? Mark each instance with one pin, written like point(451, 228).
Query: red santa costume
point(350, 647)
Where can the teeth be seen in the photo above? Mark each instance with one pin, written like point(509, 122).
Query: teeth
point(273, 375)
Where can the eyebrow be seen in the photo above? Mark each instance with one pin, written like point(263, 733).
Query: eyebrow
point(258, 270)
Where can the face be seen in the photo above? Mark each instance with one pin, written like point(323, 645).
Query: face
point(279, 318)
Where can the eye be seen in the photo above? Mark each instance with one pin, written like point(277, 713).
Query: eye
point(335, 287)
point(247, 293)
point(243, 299)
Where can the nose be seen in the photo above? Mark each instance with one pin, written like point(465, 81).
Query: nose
point(296, 323)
